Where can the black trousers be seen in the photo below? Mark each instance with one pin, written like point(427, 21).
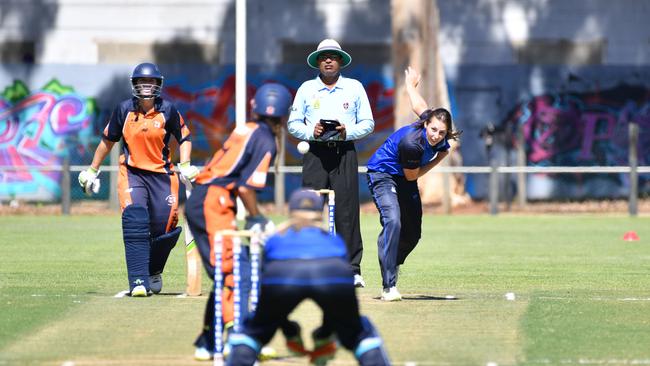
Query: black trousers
point(335, 166)
point(327, 281)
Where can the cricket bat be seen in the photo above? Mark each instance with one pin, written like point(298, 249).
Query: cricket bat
point(192, 256)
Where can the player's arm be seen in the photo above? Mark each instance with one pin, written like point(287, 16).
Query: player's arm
point(365, 121)
point(413, 174)
point(182, 134)
point(297, 126)
point(101, 152)
point(111, 134)
point(248, 197)
point(412, 79)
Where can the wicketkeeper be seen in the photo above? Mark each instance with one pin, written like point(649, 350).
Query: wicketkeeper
point(303, 261)
point(239, 169)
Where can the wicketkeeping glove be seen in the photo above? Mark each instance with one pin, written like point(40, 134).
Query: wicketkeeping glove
point(89, 181)
point(324, 351)
point(188, 171)
point(261, 225)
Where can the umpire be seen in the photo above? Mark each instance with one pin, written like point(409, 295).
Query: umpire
point(302, 261)
point(331, 111)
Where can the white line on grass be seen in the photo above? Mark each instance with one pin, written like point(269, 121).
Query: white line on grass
point(587, 361)
point(121, 294)
point(594, 298)
point(68, 363)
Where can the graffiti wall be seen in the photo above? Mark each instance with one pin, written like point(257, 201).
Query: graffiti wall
point(210, 107)
point(583, 129)
point(59, 111)
point(37, 129)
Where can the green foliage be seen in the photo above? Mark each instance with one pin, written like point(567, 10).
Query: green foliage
point(581, 294)
point(15, 92)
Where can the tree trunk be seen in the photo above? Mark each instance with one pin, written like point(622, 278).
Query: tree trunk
point(415, 27)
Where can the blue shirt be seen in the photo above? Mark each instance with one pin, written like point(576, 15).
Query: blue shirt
point(347, 102)
point(406, 148)
point(307, 243)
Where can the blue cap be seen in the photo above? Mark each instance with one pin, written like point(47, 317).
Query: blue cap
point(306, 200)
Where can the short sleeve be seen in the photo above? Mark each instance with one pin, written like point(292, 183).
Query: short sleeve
point(113, 129)
point(410, 154)
point(177, 127)
point(261, 154)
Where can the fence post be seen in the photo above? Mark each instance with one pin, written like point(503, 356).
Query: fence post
point(521, 162)
point(65, 186)
point(494, 188)
point(279, 189)
point(633, 133)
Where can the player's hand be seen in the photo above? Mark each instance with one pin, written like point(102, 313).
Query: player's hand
point(89, 181)
point(188, 171)
point(411, 77)
point(259, 224)
point(318, 130)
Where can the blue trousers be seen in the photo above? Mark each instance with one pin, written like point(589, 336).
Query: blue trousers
point(400, 214)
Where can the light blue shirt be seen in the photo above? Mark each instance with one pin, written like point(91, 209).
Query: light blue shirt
point(347, 102)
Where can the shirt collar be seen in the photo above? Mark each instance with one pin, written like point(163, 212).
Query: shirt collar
point(322, 85)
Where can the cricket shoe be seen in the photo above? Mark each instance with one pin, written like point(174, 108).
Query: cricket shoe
point(267, 353)
point(358, 281)
point(155, 283)
point(202, 354)
point(391, 294)
point(139, 291)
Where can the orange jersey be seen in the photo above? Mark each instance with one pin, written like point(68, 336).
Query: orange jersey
point(244, 159)
point(146, 135)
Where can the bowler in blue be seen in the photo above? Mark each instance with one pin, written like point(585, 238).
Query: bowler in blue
point(331, 112)
point(393, 170)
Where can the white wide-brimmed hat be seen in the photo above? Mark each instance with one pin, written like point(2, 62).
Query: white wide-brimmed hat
point(328, 45)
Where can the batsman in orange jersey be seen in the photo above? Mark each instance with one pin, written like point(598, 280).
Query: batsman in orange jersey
point(239, 169)
point(147, 184)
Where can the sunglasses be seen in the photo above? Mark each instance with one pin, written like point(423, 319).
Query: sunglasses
point(331, 56)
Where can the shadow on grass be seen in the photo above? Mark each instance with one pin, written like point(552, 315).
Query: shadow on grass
point(413, 297)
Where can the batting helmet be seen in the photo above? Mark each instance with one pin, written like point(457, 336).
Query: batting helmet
point(143, 90)
point(272, 100)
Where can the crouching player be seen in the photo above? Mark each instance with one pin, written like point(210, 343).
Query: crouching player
point(239, 169)
point(302, 261)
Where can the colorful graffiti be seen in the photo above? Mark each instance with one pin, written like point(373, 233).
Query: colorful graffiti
point(210, 111)
point(583, 129)
point(38, 129)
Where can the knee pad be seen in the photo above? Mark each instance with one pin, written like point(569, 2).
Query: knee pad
point(244, 350)
point(370, 351)
point(161, 246)
point(135, 231)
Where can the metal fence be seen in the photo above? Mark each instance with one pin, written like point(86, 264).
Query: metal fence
point(69, 173)
point(494, 170)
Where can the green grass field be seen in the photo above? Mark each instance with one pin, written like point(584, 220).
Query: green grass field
point(582, 295)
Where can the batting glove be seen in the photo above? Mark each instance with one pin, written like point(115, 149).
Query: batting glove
point(89, 181)
point(259, 224)
point(189, 171)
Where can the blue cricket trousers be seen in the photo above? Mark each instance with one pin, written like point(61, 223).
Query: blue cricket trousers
point(400, 214)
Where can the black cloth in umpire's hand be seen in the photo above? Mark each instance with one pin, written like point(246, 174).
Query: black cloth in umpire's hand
point(329, 128)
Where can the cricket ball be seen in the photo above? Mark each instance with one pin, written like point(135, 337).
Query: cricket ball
point(303, 147)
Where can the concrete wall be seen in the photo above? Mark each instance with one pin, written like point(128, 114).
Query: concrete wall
point(498, 56)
